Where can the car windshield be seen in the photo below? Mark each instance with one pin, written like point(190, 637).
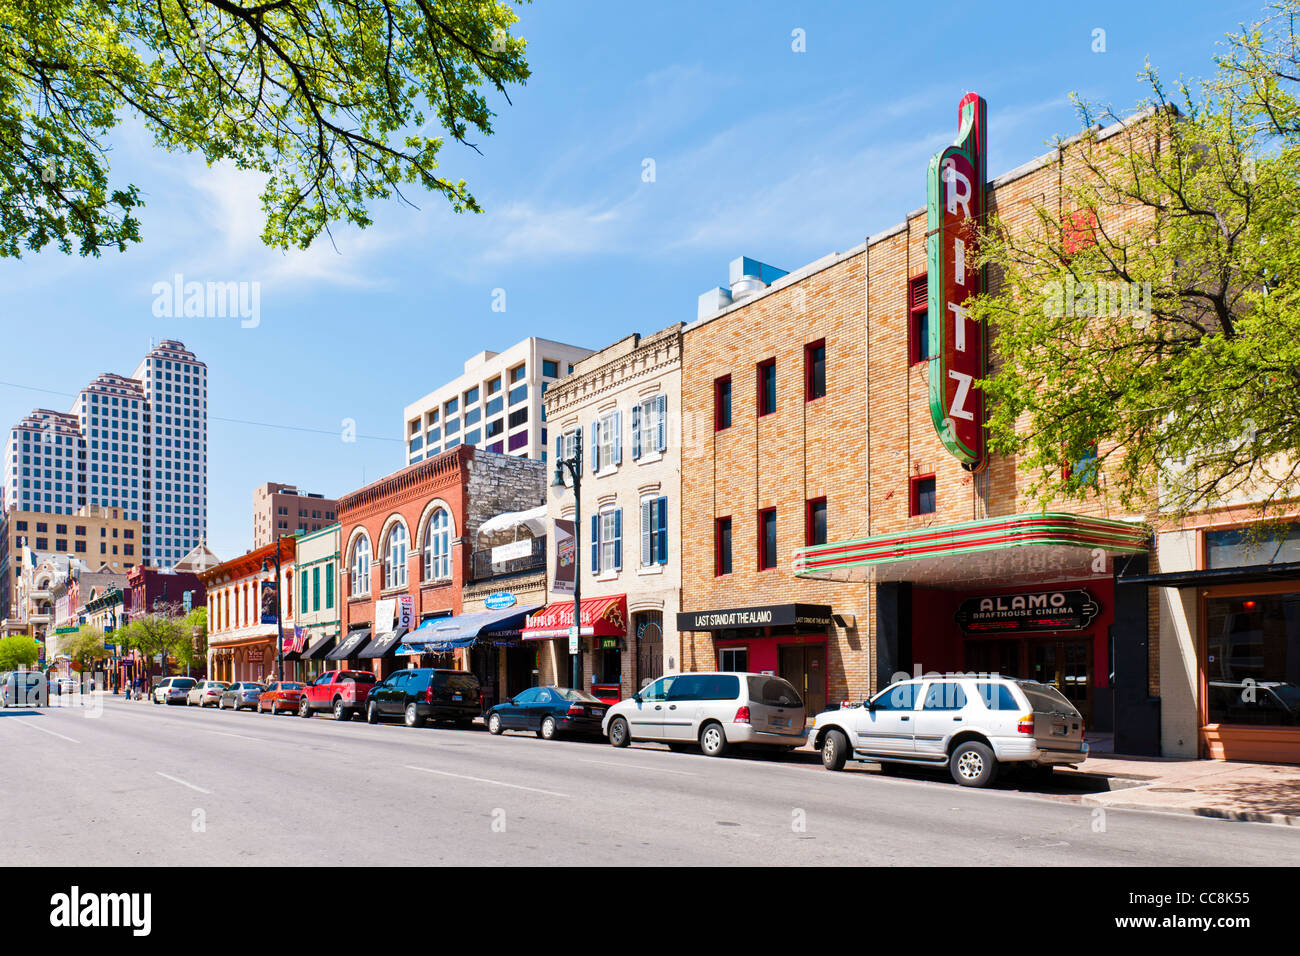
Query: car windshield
point(577, 696)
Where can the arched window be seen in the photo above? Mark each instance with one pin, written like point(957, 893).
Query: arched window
point(361, 566)
point(437, 547)
point(395, 557)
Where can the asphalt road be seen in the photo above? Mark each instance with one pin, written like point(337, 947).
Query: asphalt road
point(136, 784)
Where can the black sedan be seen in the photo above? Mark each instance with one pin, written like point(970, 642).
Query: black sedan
point(240, 695)
point(548, 712)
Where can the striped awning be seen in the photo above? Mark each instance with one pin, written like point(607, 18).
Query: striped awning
point(1010, 550)
point(601, 617)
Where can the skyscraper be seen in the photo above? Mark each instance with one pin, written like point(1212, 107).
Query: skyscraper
point(139, 444)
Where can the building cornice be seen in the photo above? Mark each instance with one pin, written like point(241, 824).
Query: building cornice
point(652, 357)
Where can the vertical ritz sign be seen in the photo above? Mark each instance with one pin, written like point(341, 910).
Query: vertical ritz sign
point(955, 196)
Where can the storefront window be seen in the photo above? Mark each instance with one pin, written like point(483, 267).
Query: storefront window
point(1253, 659)
point(1242, 547)
point(733, 659)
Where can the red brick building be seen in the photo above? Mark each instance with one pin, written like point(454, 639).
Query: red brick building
point(408, 542)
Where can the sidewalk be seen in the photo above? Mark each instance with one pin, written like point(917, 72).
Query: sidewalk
point(1253, 792)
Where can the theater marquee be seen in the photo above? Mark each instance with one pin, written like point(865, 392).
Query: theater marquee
point(955, 198)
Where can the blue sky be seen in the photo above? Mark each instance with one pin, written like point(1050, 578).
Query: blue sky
point(758, 151)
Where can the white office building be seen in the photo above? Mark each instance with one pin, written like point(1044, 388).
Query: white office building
point(139, 444)
point(496, 405)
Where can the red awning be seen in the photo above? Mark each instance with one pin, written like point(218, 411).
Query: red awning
point(601, 617)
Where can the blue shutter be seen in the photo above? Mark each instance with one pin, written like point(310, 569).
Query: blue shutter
point(662, 529)
point(636, 432)
point(595, 445)
point(647, 532)
point(618, 438)
point(662, 402)
point(595, 545)
point(618, 539)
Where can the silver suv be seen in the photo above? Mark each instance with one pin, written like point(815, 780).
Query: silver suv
point(711, 710)
point(972, 723)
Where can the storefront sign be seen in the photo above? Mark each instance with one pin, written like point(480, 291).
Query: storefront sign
point(255, 655)
point(777, 615)
point(1045, 611)
point(405, 611)
point(268, 602)
point(954, 210)
point(385, 609)
point(499, 600)
point(566, 553)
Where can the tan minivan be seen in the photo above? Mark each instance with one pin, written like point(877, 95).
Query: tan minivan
point(712, 710)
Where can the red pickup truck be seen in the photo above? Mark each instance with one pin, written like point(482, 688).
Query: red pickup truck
point(342, 692)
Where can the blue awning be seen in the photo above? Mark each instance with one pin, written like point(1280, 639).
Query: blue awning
point(441, 634)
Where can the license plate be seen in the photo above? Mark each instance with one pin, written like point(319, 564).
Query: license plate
point(778, 722)
point(598, 712)
point(1060, 730)
point(455, 696)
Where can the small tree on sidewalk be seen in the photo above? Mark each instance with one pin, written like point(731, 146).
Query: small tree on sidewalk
point(17, 651)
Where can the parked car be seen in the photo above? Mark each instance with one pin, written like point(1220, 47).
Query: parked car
point(67, 685)
point(548, 712)
point(711, 709)
point(973, 724)
point(241, 694)
point(206, 692)
point(343, 693)
point(23, 689)
point(279, 695)
point(172, 690)
point(420, 694)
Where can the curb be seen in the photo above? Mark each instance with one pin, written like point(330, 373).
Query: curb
point(1217, 813)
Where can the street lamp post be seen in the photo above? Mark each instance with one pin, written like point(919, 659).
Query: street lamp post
point(279, 631)
point(574, 467)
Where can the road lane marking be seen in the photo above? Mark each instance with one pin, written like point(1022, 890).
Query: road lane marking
point(499, 783)
point(181, 782)
point(222, 733)
point(43, 730)
point(638, 766)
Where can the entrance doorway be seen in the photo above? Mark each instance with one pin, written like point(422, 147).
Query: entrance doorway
point(1065, 664)
point(649, 630)
point(804, 666)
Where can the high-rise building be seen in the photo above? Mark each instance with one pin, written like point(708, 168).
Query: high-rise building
point(284, 510)
point(496, 405)
point(139, 444)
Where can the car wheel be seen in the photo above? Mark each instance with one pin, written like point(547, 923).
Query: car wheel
point(972, 764)
point(835, 750)
point(304, 708)
point(372, 713)
point(412, 716)
point(221, 704)
point(547, 730)
point(713, 741)
point(494, 724)
point(340, 712)
point(619, 734)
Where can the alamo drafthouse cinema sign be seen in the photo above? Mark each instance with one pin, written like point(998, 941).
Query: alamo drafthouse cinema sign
point(1070, 610)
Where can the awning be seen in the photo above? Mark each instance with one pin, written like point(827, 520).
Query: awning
point(350, 646)
point(440, 634)
point(318, 650)
point(383, 645)
point(1015, 549)
point(533, 519)
point(601, 617)
point(1249, 574)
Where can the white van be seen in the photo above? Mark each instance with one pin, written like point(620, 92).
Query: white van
point(712, 710)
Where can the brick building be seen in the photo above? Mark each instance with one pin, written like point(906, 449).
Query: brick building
point(280, 509)
point(243, 641)
point(821, 456)
point(407, 545)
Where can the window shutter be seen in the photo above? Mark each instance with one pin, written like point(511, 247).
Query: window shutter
point(636, 432)
point(618, 539)
point(595, 544)
point(647, 531)
point(595, 445)
point(329, 585)
point(618, 438)
point(662, 529)
point(662, 402)
point(559, 449)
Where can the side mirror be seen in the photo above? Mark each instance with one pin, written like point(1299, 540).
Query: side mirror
point(869, 705)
